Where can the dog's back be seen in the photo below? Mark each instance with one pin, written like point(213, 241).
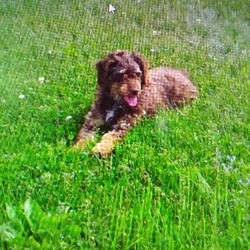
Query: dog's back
point(168, 87)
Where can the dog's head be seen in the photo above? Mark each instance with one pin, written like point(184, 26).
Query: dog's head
point(123, 75)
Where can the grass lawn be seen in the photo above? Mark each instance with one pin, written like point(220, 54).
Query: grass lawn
point(180, 180)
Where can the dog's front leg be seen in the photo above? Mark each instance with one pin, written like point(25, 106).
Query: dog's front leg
point(87, 132)
point(109, 140)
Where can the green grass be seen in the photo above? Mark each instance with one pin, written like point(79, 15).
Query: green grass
point(179, 180)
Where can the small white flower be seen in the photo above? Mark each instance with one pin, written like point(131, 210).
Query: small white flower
point(41, 79)
point(152, 50)
point(69, 117)
point(156, 33)
point(21, 96)
point(111, 9)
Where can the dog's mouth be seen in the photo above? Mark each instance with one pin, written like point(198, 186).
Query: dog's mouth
point(132, 101)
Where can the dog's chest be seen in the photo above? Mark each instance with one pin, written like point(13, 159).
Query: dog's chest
point(113, 114)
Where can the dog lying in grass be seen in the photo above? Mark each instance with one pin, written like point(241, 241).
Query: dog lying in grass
point(126, 91)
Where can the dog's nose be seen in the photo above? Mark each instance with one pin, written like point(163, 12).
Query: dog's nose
point(134, 92)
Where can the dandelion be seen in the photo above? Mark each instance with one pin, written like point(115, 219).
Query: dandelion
point(68, 118)
point(21, 96)
point(41, 79)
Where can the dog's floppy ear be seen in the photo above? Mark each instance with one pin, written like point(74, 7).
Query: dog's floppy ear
point(143, 67)
point(103, 69)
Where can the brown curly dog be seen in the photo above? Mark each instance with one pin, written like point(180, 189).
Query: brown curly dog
point(126, 92)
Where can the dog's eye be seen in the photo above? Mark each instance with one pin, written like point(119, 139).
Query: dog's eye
point(138, 74)
point(119, 77)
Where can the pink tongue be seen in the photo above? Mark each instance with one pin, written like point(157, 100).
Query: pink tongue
point(131, 100)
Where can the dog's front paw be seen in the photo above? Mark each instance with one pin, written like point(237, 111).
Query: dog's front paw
point(102, 149)
point(80, 145)
point(107, 144)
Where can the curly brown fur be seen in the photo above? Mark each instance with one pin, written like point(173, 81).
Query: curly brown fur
point(127, 91)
